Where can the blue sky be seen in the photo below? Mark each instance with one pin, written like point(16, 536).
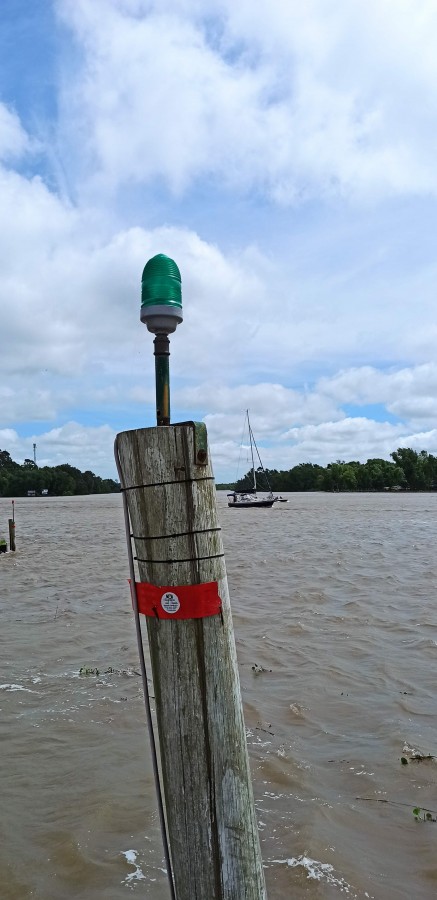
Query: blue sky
point(284, 155)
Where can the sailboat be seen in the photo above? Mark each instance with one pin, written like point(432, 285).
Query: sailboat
point(246, 499)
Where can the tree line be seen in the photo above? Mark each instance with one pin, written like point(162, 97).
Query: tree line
point(408, 470)
point(64, 480)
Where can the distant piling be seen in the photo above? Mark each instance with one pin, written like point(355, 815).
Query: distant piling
point(12, 535)
point(11, 523)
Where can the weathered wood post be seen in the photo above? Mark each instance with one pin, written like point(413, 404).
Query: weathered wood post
point(11, 534)
point(11, 523)
point(211, 823)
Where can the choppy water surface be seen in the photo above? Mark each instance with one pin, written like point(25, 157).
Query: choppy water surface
point(334, 601)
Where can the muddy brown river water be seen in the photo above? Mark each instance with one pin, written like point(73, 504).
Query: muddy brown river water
point(334, 604)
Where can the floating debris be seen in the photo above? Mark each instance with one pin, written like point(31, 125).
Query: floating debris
point(92, 670)
point(258, 669)
point(414, 755)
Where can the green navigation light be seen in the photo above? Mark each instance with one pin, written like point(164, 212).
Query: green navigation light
point(161, 295)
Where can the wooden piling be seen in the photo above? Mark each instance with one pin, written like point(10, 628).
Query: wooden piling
point(11, 534)
point(210, 813)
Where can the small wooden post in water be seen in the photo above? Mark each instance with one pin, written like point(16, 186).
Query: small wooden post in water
point(211, 820)
point(12, 529)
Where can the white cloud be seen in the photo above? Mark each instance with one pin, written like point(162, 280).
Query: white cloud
point(9, 439)
point(421, 440)
point(340, 437)
point(409, 393)
point(70, 288)
point(80, 446)
point(272, 407)
point(13, 139)
point(25, 402)
point(296, 100)
point(416, 409)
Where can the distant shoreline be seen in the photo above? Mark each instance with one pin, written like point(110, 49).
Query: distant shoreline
point(408, 470)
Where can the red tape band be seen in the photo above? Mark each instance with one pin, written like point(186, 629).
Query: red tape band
point(188, 601)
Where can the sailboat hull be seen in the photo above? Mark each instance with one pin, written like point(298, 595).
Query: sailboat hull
point(248, 504)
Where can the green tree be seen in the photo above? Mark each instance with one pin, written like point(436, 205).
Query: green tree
point(415, 467)
point(339, 476)
point(16, 480)
point(5, 460)
point(304, 477)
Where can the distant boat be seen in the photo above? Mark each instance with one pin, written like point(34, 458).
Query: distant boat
point(248, 499)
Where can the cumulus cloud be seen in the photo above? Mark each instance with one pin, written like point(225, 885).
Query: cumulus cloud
point(25, 402)
point(409, 393)
point(272, 407)
point(14, 140)
point(81, 446)
point(73, 306)
point(295, 100)
point(340, 437)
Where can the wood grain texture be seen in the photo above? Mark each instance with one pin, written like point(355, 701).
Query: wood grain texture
point(210, 813)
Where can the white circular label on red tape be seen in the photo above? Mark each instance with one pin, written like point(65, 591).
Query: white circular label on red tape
point(170, 602)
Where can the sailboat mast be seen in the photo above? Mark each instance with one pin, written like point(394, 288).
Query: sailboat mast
point(251, 450)
point(261, 464)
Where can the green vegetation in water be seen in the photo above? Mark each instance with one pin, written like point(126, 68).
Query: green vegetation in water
point(64, 480)
point(420, 813)
point(408, 471)
point(423, 815)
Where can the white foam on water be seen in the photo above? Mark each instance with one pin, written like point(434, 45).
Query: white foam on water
point(138, 874)
point(16, 687)
point(317, 871)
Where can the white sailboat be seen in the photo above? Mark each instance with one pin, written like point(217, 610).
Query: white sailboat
point(248, 499)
